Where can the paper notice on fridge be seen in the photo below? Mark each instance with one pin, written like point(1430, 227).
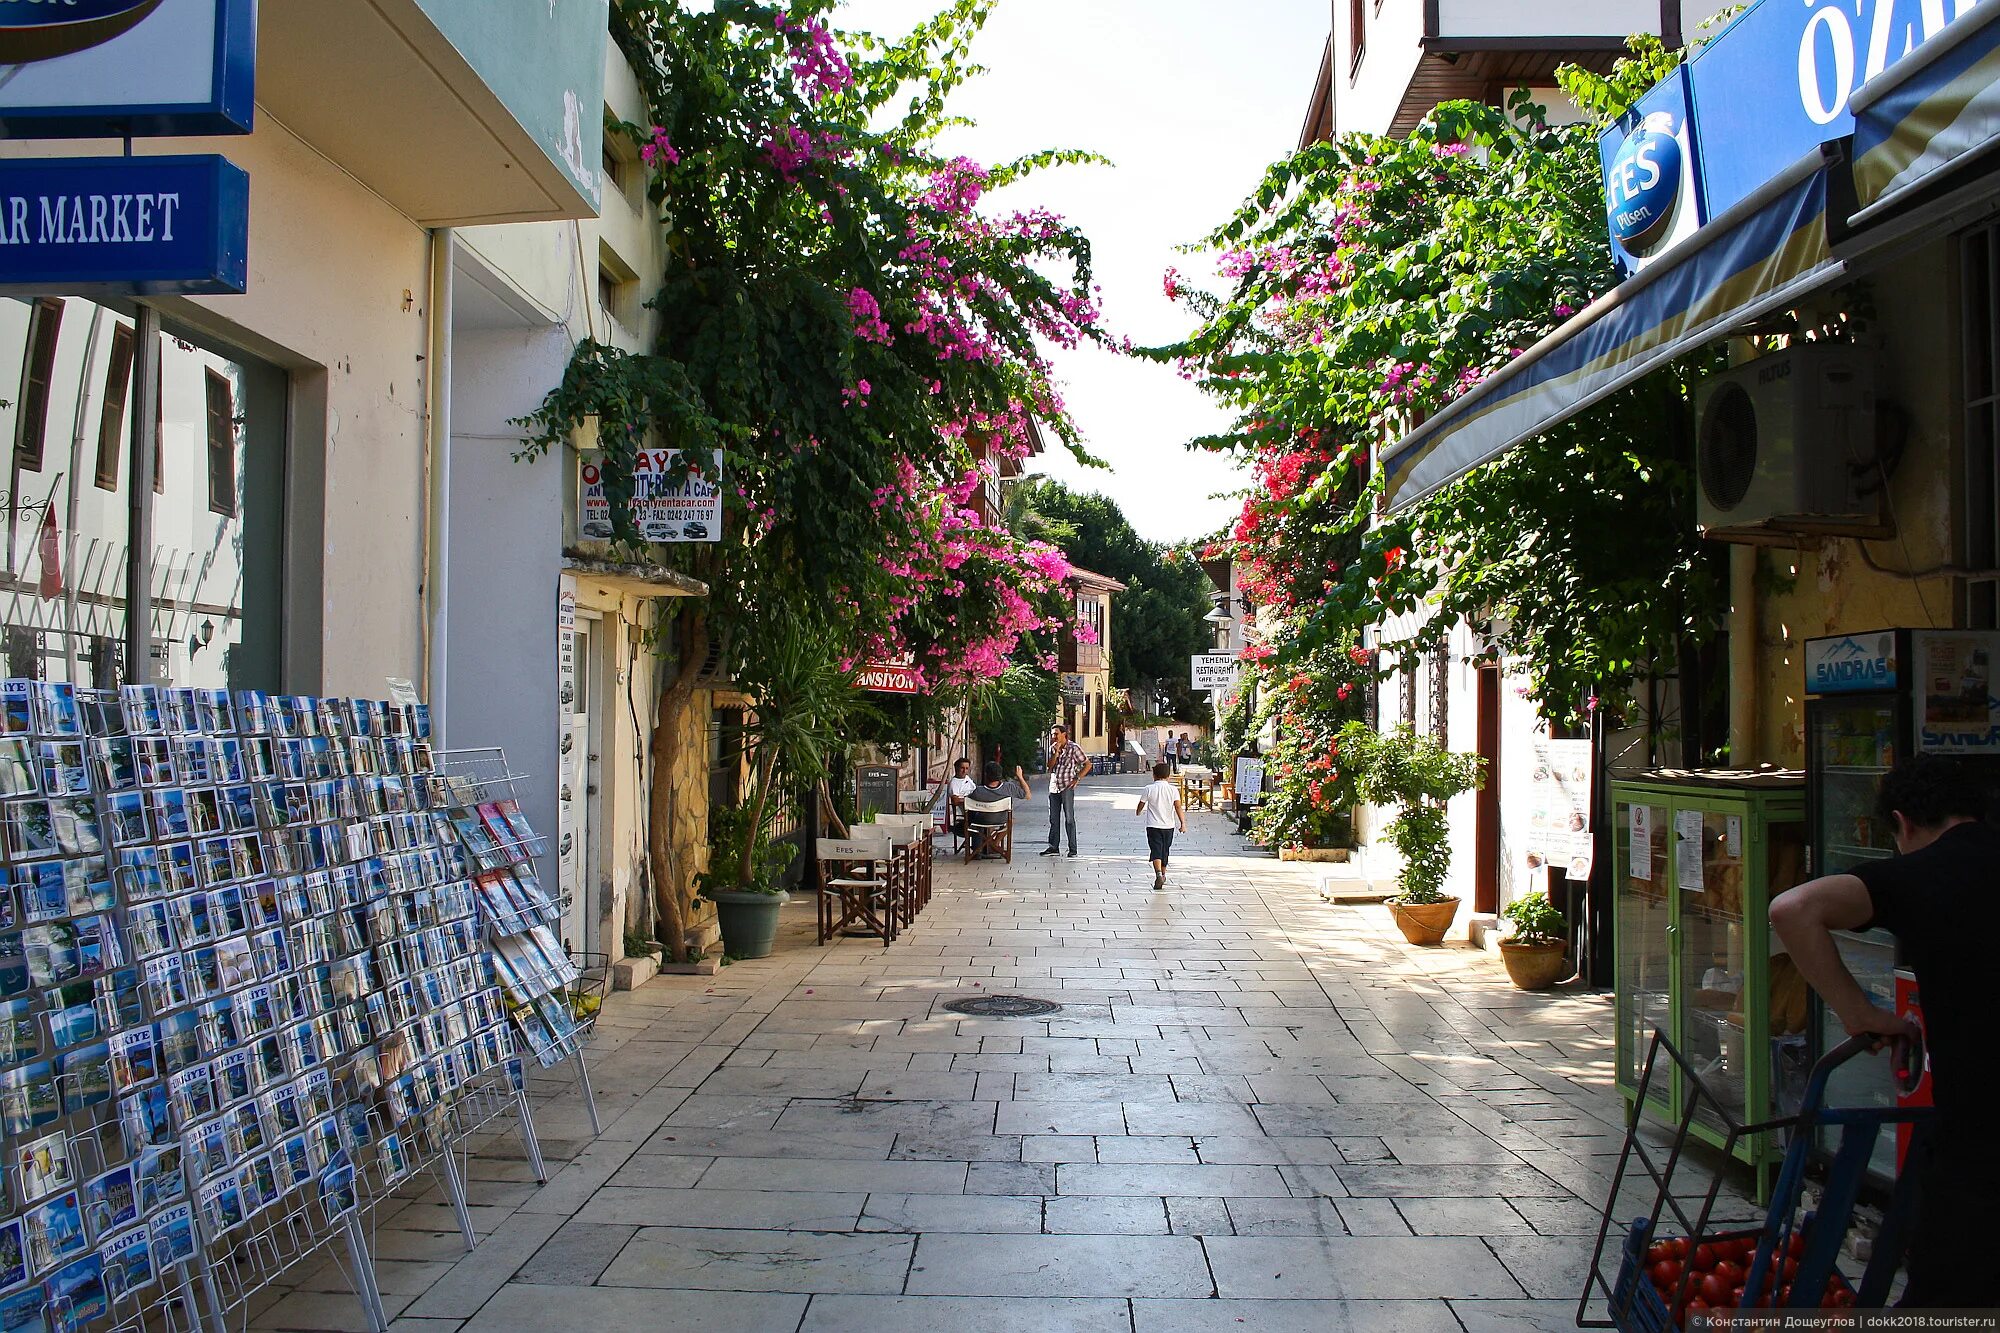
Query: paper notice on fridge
point(1687, 850)
point(1642, 842)
point(1733, 837)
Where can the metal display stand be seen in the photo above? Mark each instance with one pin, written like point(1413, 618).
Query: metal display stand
point(480, 778)
point(258, 988)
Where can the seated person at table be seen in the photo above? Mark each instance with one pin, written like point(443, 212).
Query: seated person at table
point(993, 789)
point(961, 787)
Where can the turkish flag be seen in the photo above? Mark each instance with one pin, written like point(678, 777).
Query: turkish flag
point(51, 584)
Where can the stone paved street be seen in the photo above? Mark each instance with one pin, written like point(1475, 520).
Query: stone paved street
point(1255, 1110)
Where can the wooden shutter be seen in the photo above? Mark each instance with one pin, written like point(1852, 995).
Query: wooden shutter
point(117, 397)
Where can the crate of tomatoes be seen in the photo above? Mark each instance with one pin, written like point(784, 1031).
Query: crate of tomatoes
point(1671, 1266)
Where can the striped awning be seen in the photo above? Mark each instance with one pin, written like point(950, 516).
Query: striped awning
point(1930, 113)
point(1762, 255)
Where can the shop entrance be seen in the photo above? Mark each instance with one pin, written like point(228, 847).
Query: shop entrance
point(1486, 801)
point(581, 783)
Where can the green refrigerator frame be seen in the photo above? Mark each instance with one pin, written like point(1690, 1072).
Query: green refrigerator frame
point(1762, 801)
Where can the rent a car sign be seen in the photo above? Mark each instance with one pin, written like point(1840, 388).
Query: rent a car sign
point(663, 509)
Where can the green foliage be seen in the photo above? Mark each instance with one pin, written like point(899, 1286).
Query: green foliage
point(1232, 729)
point(743, 857)
point(1536, 920)
point(1010, 716)
point(1372, 283)
point(1156, 623)
point(1417, 776)
point(1309, 783)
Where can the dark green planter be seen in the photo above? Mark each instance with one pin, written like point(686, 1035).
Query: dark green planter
point(749, 921)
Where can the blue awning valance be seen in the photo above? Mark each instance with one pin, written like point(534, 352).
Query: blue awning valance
point(1929, 114)
point(1764, 254)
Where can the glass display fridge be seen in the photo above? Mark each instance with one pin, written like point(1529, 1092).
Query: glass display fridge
point(1872, 699)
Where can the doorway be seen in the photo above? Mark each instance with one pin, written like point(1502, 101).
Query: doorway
point(1486, 807)
point(582, 783)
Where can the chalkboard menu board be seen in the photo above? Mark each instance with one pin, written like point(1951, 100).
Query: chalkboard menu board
point(875, 787)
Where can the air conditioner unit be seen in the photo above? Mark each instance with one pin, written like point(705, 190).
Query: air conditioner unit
point(1785, 445)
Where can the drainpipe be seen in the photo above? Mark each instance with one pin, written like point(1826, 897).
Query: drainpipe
point(1744, 653)
point(437, 480)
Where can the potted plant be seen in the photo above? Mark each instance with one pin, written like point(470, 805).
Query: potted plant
point(746, 906)
point(1534, 952)
point(1416, 776)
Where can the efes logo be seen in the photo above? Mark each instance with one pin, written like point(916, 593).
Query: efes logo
point(1644, 184)
point(32, 30)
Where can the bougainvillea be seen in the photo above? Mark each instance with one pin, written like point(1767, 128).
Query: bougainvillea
point(1367, 285)
point(845, 331)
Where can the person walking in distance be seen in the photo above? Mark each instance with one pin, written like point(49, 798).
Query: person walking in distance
point(1160, 807)
point(1170, 753)
point(1067, 766)
point(1928, 895)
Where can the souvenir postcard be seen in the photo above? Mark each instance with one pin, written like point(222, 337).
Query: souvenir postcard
point(16, 711)
point(204, 811)
point(54, 1232)
point(52, 953)
point(85, 1077)
point(160, 1178)
point(24, 1311)
point(139, 873)
point(222, 1202)
point(212, 856)
point(253, 712)
point(169, 811)
point(128, 1263)
point(73, 1025)
point(20, 774)
point(134, 1058)
point(172, 1233)
point(14, 978)
point(142, 708)
point(114, 761)
point(145, 1119)
point(262, 1178)
point(260, 901)
point(183, 712)
point(73, 821)
point(210, 1149)
point(149, 926)
point(119, 994)
point(268, 1055)
point(43, 1166)
point(194, 1093)
point(98, 947)
point(13, 1254)
point(219, 1030)
point(294, 1162)
point(234, 967)
point(65, 770)
point(9, 909)
point(125, 818)
point(336, 1190)
point(323, 1142)
point(111, 1201)
point(180, 1038)
point(177, 867)
point(30, 830)
point(154, 761)
point(77, 1298)
point(87, 885)
point(234, 1075)
point(392, 1158)
point(56, 713)
point(44, 891)
point(20, 1035)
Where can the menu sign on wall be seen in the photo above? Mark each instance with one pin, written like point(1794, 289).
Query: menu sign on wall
point(1559, 833)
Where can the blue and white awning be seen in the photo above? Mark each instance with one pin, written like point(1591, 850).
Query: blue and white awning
point(1929, 114)
point(1764, 254)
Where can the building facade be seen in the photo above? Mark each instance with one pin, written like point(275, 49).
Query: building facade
point(1086, 704)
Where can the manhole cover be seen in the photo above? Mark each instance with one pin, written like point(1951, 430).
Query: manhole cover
point(1002, 1006)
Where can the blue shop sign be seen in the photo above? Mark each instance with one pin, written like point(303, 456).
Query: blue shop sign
point(125, 68)
point(1851, 664)
point(124, 226)
point(1652, 191)
point(1776, 83)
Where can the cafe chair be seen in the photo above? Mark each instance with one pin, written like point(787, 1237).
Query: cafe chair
point(989, 835)
point(908, 834)
point(857, 885)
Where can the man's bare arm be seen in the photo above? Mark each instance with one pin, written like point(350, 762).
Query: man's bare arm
point(1805, 919)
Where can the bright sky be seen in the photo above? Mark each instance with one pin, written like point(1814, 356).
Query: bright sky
point(1191, 99)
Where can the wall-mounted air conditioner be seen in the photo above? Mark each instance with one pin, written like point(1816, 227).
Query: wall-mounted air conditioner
point(1787, 445)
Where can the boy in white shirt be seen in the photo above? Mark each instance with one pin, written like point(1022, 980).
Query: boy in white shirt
point(1160, 805)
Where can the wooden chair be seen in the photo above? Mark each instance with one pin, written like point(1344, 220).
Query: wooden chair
point(990, 836)
point(908, 836)
point(858, 884)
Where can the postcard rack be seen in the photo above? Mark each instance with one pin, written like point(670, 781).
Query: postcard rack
point(557, 990)
point(253, 979)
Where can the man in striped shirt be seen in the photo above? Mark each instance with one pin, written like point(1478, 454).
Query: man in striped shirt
point(1068, 765)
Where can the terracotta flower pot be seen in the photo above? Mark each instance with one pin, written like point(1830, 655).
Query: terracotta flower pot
point(1424, 923)
point(1535, 966)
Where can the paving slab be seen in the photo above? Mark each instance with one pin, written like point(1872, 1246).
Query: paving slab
point(1059, 1266)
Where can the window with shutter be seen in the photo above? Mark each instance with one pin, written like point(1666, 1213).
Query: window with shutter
point(221, 445)
point(38, 368)
point(117, 397)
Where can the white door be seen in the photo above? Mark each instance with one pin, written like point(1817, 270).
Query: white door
point(578, 783)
